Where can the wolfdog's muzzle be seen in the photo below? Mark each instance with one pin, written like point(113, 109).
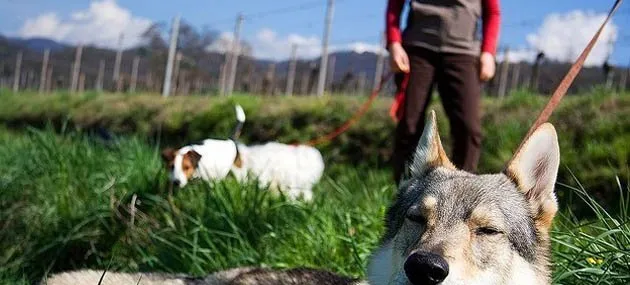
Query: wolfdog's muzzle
point(426, 268)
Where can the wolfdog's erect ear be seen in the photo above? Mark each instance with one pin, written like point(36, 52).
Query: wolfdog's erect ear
point(534, 168)
point(429, 152)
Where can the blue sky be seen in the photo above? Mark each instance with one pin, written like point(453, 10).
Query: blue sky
point(356, 21)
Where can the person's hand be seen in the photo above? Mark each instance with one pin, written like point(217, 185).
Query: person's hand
point(487, 66)
point(399, 59)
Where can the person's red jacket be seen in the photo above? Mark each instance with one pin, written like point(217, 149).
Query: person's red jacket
point(491, 21)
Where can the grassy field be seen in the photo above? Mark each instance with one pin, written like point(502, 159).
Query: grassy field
point(594, 128)
point(66, 204)
point(66, 193)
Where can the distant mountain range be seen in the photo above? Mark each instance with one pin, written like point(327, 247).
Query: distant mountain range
point(38, 44)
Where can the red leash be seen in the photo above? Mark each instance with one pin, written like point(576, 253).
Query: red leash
point(397, 109)
point(357, 115)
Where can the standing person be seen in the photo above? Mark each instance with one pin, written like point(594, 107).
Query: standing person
point(441, 45)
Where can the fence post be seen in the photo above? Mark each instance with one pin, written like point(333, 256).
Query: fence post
point(118, 60)
point(362, 80)
point(76, 68)
point(183, 84)
point(291, 74)
point(42, 75)
point(196, 85)
point(134, 74)
point(178, 60)
point(166, 88)
point(223, 76)
point(323, 66)
point(100, 77)
point(533, 84)
point(609, 74)
point(516, 76)
point(49, 79)
point(380, 63)
point(17, 72)
point(305, 82)
point(236, 46)
point(623, 80)
point(149, 81)
point(119, 83)
point(270, 77)
point(505, 66)
point(30, 79)
point(81, 83)
point(331, 72)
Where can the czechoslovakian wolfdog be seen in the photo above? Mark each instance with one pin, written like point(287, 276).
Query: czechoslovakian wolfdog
point(446, 227)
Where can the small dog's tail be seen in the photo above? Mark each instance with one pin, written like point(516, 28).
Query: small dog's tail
point(240, 120)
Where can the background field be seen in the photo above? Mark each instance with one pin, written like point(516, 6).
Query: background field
point(594, 128)
point(66, 185)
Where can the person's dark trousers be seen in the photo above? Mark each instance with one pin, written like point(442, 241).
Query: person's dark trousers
point(457, 79)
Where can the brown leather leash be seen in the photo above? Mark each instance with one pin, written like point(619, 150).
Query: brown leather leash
point(568, 79)
point(357, 115)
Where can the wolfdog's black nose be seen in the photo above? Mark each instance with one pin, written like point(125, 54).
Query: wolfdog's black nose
point(177, 182)
point(426, 268)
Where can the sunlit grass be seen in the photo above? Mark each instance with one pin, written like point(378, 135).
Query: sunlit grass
point(66, 205)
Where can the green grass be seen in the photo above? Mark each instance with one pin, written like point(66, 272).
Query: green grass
point(65, 204)
point(593, 128)
point(66, 196)
point(595, 251)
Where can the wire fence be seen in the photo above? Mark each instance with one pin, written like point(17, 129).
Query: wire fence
point(233, 67)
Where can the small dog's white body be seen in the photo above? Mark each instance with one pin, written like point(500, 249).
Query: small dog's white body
point(291, 169)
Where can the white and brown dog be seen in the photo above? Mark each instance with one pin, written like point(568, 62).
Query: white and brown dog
point(210, 160)
point(291, 169)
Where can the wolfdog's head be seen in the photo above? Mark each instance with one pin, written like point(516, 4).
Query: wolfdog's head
point(451, 227)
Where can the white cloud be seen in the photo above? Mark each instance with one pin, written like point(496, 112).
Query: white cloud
point(563, 36)
point(361, 47)
point(100, 24)
point(222, 44)
point(519, 55)
point(269, 45)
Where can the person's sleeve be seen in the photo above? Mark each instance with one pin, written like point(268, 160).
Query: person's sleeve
point(491, 26)
point(392, 21)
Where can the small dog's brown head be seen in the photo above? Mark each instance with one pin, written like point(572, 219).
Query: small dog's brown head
point(181, 164)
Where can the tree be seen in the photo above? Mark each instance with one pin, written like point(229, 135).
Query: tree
point(154, 37)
